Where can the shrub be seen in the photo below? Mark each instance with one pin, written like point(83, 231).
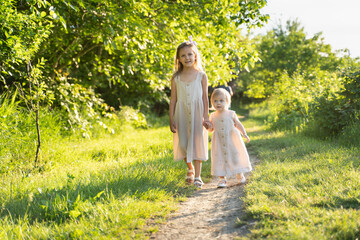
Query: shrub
point(333, 112)
point(351, 93)
point(294, 96)
point(350, 136)
point(133, 116)
point(328, 118)
point(18, 132)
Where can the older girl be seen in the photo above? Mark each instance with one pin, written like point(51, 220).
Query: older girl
point(189, 110)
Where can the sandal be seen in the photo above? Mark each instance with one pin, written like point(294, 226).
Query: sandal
point(242, 180)
point(198, 182)
point(222, 183)
point(190, 179)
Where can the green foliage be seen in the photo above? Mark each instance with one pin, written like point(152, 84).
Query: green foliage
point(287, 50)
point(18, 133)
point(333, 111)
point(134, 117)
point(303, 188)
point(328, 117)
point(305, 82)
point(88, 51)
point(294, 97)
point(21, 37)
point(82, 108)
point(103, 188)
point(320, 103)
point(350, 136)
point(351, 91)
point(126, 44)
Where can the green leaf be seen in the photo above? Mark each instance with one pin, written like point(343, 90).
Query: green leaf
point(74, 213)
point(63, 22)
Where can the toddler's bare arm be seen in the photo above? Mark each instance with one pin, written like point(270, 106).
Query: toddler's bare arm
point(241, 128)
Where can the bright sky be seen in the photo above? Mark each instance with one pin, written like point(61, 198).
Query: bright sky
point(339, 21)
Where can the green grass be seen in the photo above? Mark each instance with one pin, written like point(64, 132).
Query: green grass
point(303, 188)
point(18, 137)
point(121, 186)
point(112, 187)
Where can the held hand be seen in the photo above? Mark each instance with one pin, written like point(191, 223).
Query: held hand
point(207, 124)
point(173, 127)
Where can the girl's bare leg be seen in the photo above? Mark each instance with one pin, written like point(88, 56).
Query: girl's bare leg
point(190, 172)
point(189, 165)
point(197, 180)
point(197, 165)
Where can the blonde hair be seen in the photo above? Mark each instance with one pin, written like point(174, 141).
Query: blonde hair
point(178, 67)
point(220, 92)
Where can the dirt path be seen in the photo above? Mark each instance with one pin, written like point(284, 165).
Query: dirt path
point(211, 213)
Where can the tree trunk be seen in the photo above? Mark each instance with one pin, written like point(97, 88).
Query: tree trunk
point(37, 128)
point(36, 109)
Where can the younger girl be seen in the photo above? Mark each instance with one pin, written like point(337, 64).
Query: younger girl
point(228, 152)
point(189, 110)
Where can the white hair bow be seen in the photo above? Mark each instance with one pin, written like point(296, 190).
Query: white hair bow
point(191, 40)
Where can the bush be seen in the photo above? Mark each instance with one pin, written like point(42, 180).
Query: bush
point(351, 93)
point(350, 136)
point(80, 107)
point(333, 112)
point(18, 131)
point(327, 118)
point(294, 96)
point(318, 102)
point(133, 116)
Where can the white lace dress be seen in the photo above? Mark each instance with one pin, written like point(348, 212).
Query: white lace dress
point(228, 152)
point(191, 138)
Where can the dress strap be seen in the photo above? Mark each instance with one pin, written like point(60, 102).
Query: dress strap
point(177, 78)
point(199, 75)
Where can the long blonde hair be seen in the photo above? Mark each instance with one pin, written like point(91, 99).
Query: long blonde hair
point(178, 67)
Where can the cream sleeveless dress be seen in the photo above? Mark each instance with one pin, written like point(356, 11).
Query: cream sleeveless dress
point(191, 139)
point(228, 152)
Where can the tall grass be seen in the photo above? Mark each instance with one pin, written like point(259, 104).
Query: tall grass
point(18, 136)
point(95, 189)
point(114, 185)
point(18, 133)
point(350, 135)
point(303, 188)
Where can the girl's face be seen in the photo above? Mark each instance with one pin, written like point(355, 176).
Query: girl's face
point(187, 57)
point(219, 103)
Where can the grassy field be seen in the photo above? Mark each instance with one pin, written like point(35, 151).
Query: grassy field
point(303, 188)
point(114, 187)
point(121, 186)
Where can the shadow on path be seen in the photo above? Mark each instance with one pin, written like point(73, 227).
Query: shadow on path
point(210, 213)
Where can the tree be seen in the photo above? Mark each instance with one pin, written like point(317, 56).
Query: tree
point(287, 50)
point(119, 50)
point(20, 40)
point(114, 42)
